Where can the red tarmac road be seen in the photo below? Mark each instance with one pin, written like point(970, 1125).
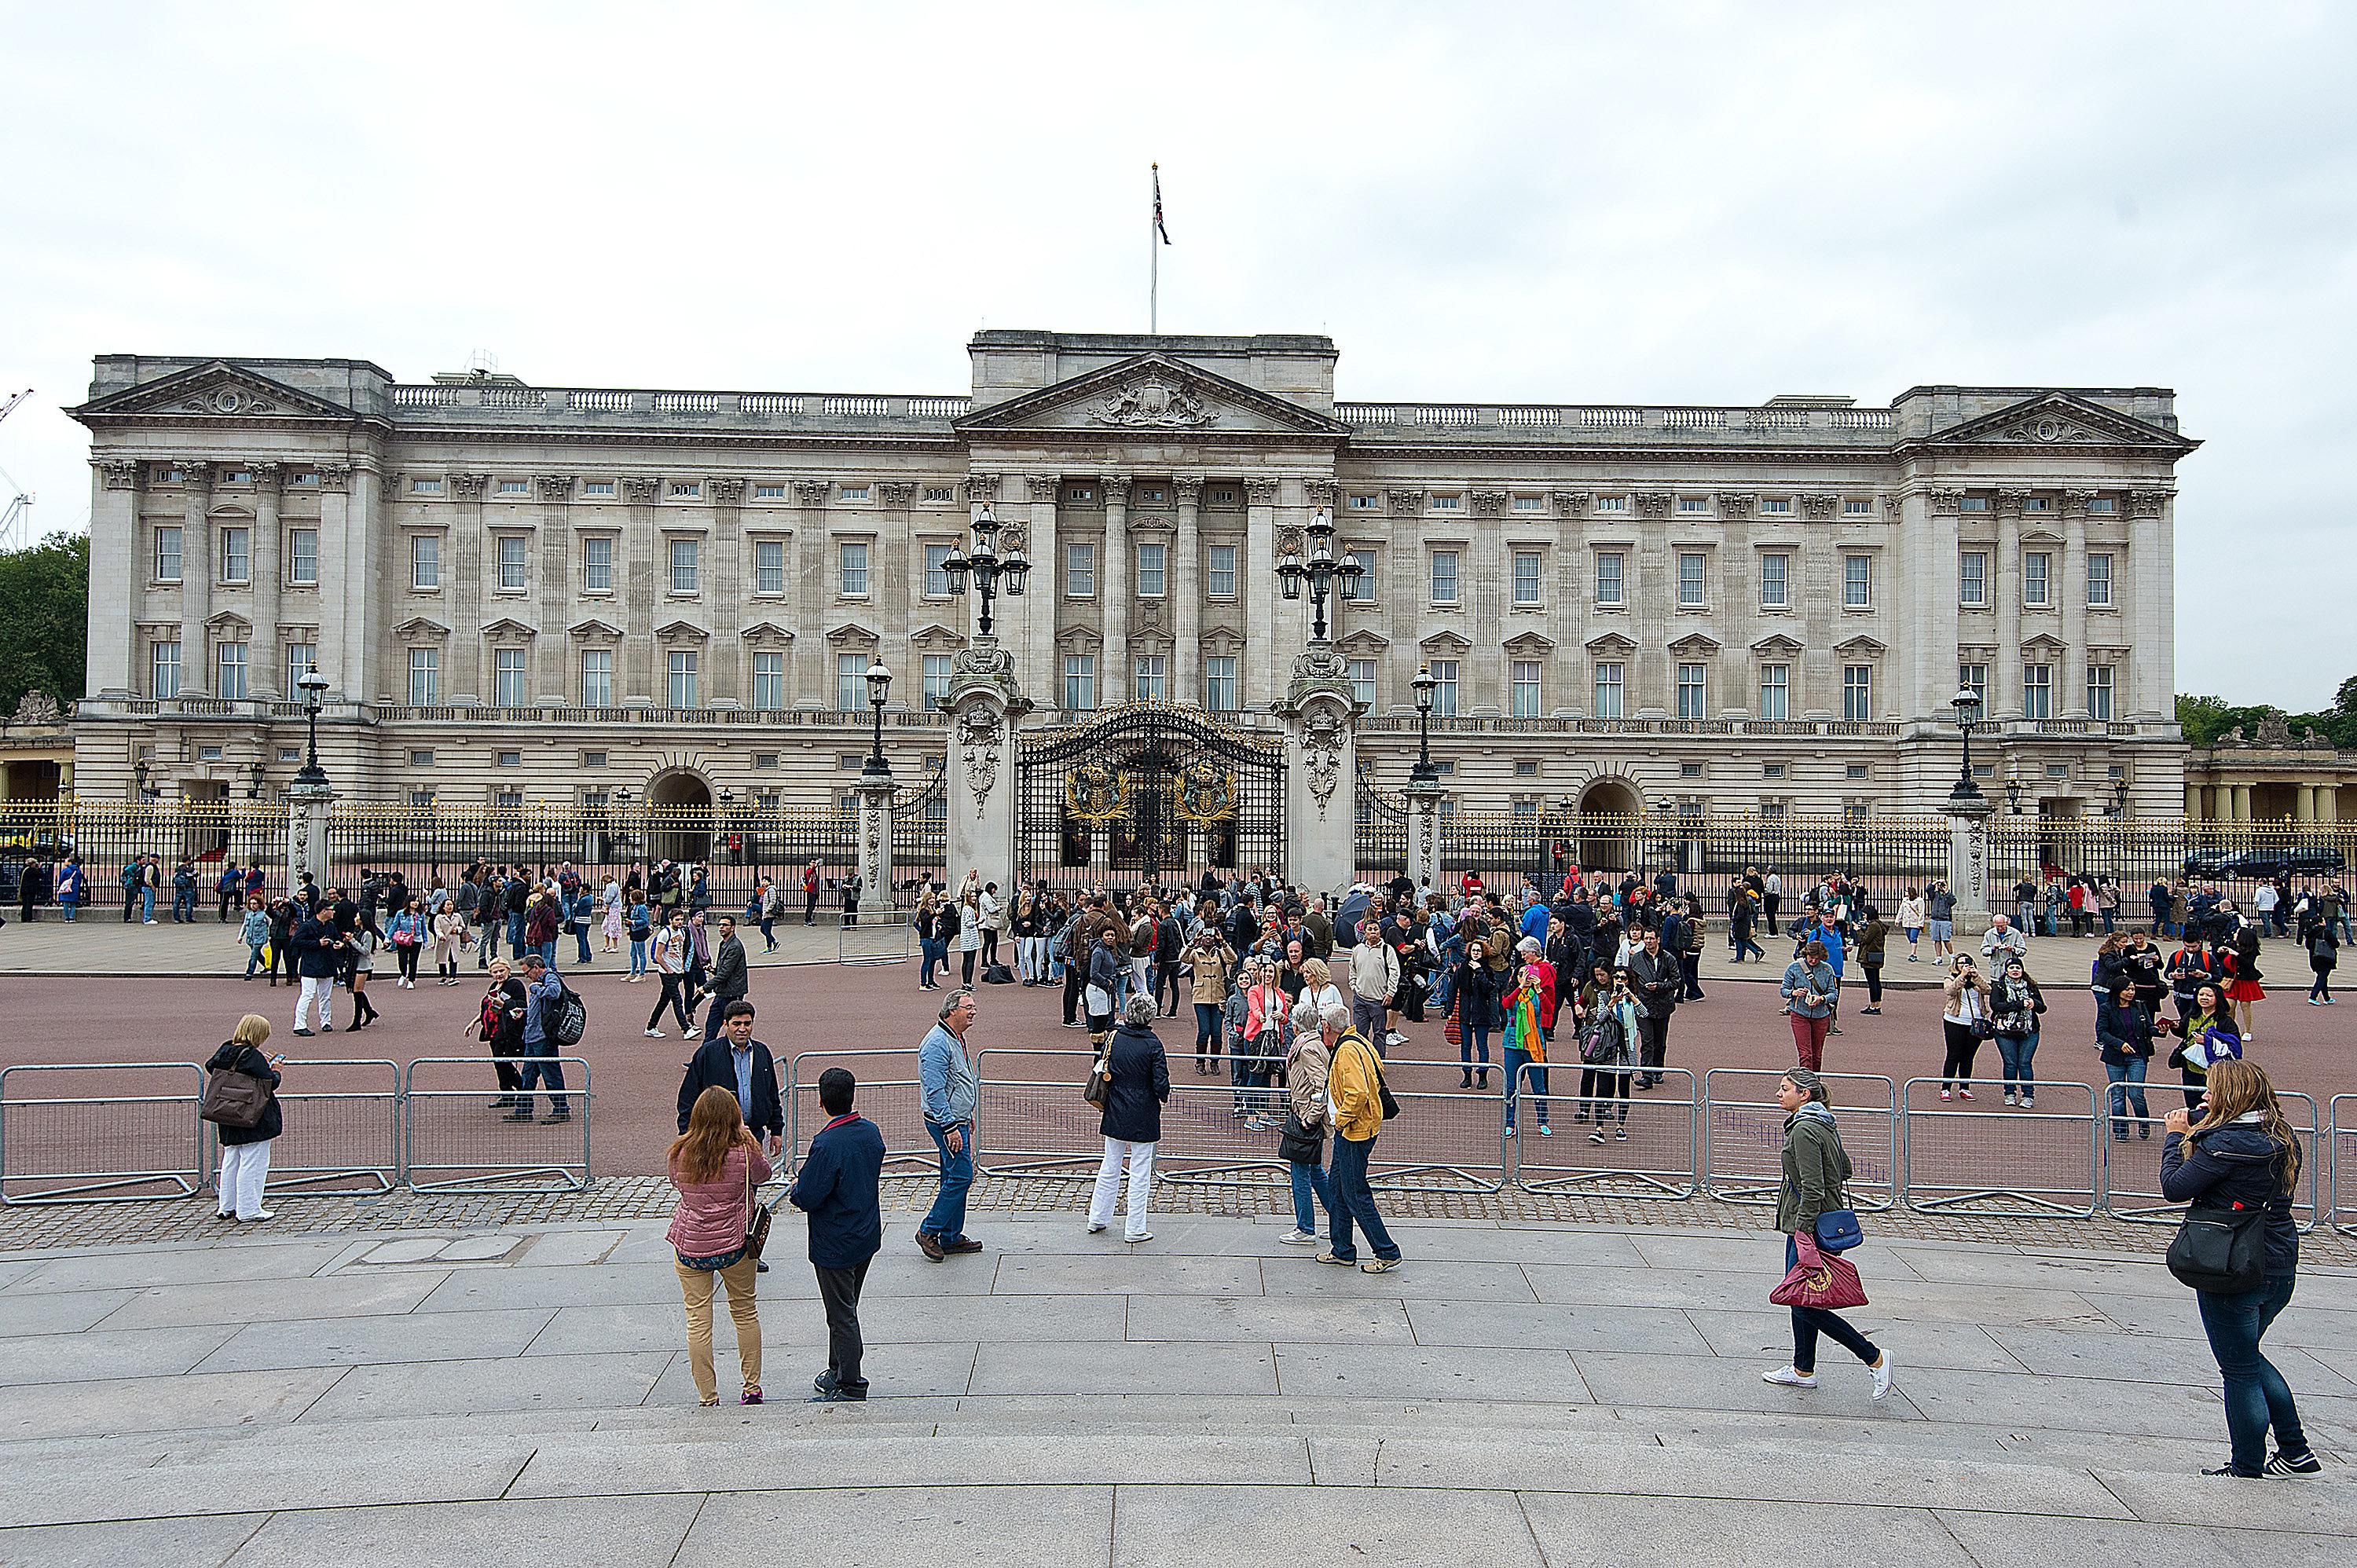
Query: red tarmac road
point(831, 1008)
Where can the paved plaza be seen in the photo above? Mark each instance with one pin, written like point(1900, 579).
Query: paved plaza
point(1524, 1394)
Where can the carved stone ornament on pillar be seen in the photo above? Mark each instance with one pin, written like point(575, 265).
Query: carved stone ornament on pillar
point(1424, 797)
point(1968, 822)
point(1321, 771)
point(984, 700)
point(876, 842)
point(307, 807)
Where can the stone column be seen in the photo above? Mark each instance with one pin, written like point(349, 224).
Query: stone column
point(1187, 582)
point(1036, 660)
point(307, 807)
point(983, 700)
point(196, 576)
point(2304, 803)
point(1263, 647)
point(1926, 525)
point(346, 680)
point(2239, 806)
point(118, 569)
point(1424, 797)
point(2005, 670)
point(1321, 773)
point(473, 582)
point(1485, 587)
point(813, 682)
point(876, 842)
point(1968, 861)
point(2072, 592)
point(2196, 804)
point(557, 680)
point(262, 665)
point(2152, 580)
point(2328, 803)
point(1115, 681)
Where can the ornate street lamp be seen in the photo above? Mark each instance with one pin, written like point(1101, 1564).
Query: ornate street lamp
point(879, 686)
point(1318, 571)
point(2013, 795)
point(2119, 798)
point(314, 687)
point(987, 566)
point(253, 779)
point(1424, 772)
point(1967, 704)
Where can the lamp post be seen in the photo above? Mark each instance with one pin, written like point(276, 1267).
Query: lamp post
point(1318, 571)
point(314, 687)
point(879, 686)
point(987, 566)
point(2013, 796)
point(1424, 772)
point(1967, 704)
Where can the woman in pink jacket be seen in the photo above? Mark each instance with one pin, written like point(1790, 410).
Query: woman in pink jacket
point(715, 1164)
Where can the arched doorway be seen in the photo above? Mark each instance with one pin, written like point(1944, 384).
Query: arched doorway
point(679, 817)
point(1610, 816)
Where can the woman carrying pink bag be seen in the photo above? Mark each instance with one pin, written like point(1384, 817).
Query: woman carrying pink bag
point(1816, 1283)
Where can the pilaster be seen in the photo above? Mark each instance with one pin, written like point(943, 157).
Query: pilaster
point(1322, 772)
point(1035, 662)
point(2152, 580)
point(117, 573)
point(1263, 646)
point(2004, 678)
point(1424, 798)
point(1187, 585)
point(262, 664)
point(196, 575)
point(813, 682)
point(473, 565)
point(876, 842)
point(1115, 680)
point(2072, 702)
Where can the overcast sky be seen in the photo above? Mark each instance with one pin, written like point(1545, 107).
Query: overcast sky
point(1547, 203)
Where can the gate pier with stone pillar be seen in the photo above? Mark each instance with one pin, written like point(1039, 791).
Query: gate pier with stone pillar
point(1322, 772)
point(984, 701)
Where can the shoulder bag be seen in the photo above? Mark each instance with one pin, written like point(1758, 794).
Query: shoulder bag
point(756, 1215)
point(2221, 1251)
point(1382, 1089)
point(233, 1099)
point(1100, 1082)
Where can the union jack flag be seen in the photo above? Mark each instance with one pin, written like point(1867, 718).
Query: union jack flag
point(1158, 228)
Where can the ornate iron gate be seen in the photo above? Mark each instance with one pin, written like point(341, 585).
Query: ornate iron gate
point(1148, 789)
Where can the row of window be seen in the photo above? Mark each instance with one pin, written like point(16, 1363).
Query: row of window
point(680, 490)
point(229, 667)
point(234, 556)
point(1974, 585)
point(1687, 506)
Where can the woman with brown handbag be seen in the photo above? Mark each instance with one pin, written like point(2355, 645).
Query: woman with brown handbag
point(1817, 1167)
point(715, 1164)
point(245, 1151)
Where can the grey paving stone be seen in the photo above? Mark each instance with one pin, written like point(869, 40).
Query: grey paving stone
point(1933, 1302)
point(1999, 1541)
point(148, 1266)
point(415, 1337)
point(2301, 1324)
point(638, 1326)
point(2082, 1404)
point(1513, 1244)
point(159, 1404)
point(1011, 1527)
point(1844, 1388)
point(1765, 1336)
point(1157, 1526)
point(1629, 1532)
point(900, 1270)
point(184, 1542)
point(1418, 1280)
point(1418, 1371)
point(1955, 1265)
point(1508, 1326)
point(642, 1244)
point(596, 1532)
point(1742, 1255)
point(57, 1312)
point(461, 1388)
point(126, 1353)
point(894, 1372)
point(1649, 1289)
point(484, 1250)
point(2153, 1356)
point(607, 1285)
point(2325, 1506)
point(563, 1248)
point(275, 1301)
point(1129, 1368)
point(1227, 1319)
point(1117, 1272)
point(406, 1249)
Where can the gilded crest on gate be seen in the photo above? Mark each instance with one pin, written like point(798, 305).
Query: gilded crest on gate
point(1204, 793)
point(1093, 792)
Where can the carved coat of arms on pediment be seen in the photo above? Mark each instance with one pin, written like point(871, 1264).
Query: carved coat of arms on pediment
point(1153, 400)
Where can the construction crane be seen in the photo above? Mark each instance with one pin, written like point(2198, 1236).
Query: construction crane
point(11, 519)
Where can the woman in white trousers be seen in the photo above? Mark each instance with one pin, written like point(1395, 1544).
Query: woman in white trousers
point(245, 1151)
point(1139, 1088)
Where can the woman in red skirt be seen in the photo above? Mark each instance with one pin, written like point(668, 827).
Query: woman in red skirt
point(2243, 987)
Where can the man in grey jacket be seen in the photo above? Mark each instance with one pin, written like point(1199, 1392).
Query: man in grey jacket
point(730, 980)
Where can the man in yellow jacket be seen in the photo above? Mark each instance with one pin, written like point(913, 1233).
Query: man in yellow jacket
point(1355, 1100)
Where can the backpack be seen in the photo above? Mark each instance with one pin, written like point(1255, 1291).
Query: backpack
point(568, 1019)
point(131, 876)
point(1600, 1042)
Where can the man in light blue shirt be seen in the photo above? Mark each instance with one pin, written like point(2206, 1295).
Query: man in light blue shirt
point(950, 1088)
point(542, 987)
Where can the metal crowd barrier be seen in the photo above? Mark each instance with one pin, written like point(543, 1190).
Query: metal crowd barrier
point(2342, 1165)
point(1204, 1140)
point(884, 936)
point(343, 1128)
point(895, 1102)
point(1455, 1142)
point(1038, 1127)
point(1659, 1159)
point(2131, 1165)
point(1743, 1136)
point(119, 1132)
point(456, 1139)
point(1994, 1160)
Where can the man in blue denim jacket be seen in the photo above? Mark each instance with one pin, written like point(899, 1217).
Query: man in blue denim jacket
point(950, 1088)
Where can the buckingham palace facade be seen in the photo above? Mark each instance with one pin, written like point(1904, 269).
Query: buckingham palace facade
point(521, 593)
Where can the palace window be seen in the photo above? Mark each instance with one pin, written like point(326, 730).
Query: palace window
point(1529, 503)
point(421, 759)
point(769, 566)
point(936, 686)
point(1080, 681)
point(1775, 581)
point(229, 660)
point(425, 486)
point(598, 566)
point(507, 678)
point(302, 658)
point(1612, 503)
point(1609, 680)
point(1364, 590)
point(1152, 681)
point(510, 759)
point(769, 682)
point(1444, 577)
point(851, 683)
point(1775, 691)
point(2038, 690)
point(1443, 694)
point(1972, 579)
point(236, 555)
point(1857, 581)
point(1857, 692)
point(686, 489)
point(850, 558)
point(1857, 509)
point(1526, 689)
point(2099, 692)
point(937, 493)
point(1079, 575)
point(597, 677)
point(1973, 678)
point(425, 561)
point(303, 557)
point(597, 488)
point(1526, 579)
point(2102, 503)
point(1777, 506)
point(2038, 579)
point(512, 560)
point(1974, 503)
point(1363, 681)
point(425, 677)
point(163, 669)
point(1150, 559)
point(167, 555)
point(1611, 577)
point(937, 575)
point(2099, 582)
point(853, 493)
point(769, 492)
point(1220, 575)
point(513, 487)
point(686, 565)
point(1363, 503)
point(1446, 503)
point(1690, 580)
point(1692, 692)
point(679, 690)
point(1221, 691)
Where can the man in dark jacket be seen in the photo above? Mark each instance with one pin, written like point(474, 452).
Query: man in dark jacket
point(837, 1187)
point(743, 1065)
point(730, 981)
point(318, 958)
point(1656, 980)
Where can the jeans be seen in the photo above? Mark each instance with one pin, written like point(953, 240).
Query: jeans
point(184, 904)
point(696, 1289)
point(2127, 1093)
point(1962, 1046)
point(2319, 988)
point(1873, 984)
point(1472, 1042)
point(638, 955)
point(2023, 922)
point(935, 954)
point(2017, 1053)
point(2257, 1395)
point(1654, 1046)
point(253, 956)
point(541, 1067)
point(1744, 945)
point(946, 1222)
point(1308, 1179)
point(1207, 1032)
point(581, 935)
point(838, 1289)
point(1140, 1160)
point(1517, 1060)
point(1808, 1322)
point(1367, 1017)
point(1351, 1199)
point(515, 930)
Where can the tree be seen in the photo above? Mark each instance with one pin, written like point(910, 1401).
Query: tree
point(44, 619)
point(2208, 720)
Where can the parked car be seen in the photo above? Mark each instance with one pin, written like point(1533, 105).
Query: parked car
point(2304, 860)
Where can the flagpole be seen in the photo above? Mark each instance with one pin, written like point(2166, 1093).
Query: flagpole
point(1153, 258)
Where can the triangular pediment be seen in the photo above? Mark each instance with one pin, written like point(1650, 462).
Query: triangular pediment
point(853, 632)
point(1610, 642)
point(1696, 642)
point(1860, 648)
point(420, 629)
point(2059, 419)
point(935, 639)
point(1365, 643)
point(594, 630)
point(509, 628)
point(767, 633)
point(219, 389)
point(1530, 643)
point(1152, 394)
point(681, 631)
point(1444, 643)
point(1778, 646)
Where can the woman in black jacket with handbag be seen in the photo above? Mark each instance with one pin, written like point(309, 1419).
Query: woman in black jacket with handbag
point(245, 1151)
point(2243, 1155)
point(1475, 995)
point(1137, 1087)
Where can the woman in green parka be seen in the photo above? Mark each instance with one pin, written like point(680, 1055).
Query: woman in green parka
point(1816, 1171)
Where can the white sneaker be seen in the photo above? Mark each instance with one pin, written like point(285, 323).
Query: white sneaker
point(1785, 1377)
point(1141, 1236)
point(1882, 1376)
point(656, 1034)
point(2009, 1099)
point(1299, 1238)
point(1094, 1227)
point(1395, 1038)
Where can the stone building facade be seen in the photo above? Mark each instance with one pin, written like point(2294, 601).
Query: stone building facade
point(526, 592)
